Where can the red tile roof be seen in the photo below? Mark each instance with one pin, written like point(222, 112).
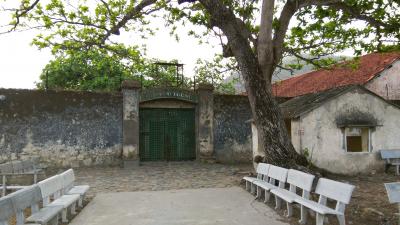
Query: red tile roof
point(342, 74)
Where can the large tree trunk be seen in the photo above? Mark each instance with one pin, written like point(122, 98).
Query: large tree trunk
point(270, 124)
point(267, 115)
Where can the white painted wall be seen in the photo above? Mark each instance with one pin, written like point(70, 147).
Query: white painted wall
point(387, 84)
point(322, 136)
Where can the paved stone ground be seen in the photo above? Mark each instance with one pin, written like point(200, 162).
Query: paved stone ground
point(206, 206)
point(158, 176)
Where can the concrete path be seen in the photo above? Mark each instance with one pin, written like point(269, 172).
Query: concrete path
point(209, 206)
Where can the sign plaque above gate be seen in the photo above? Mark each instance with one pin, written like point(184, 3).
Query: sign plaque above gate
point(168, 93)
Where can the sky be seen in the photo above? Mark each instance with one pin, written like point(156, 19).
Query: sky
point(21, 63)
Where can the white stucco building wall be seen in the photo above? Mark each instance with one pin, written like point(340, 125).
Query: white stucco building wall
point(317, 130)
point(387, 83)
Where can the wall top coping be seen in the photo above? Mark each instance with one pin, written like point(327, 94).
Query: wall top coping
point(203, 86)
point(131, 84)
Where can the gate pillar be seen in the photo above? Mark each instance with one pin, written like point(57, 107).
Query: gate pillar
point(206, 122)
point(130, 126)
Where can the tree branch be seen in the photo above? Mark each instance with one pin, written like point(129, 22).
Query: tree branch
point(353, 11)
point(135, 11)
point(22, 12)
point(264, 45)
point(225, 19)
point(287, 13)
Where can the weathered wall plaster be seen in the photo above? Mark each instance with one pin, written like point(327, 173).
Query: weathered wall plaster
point(205, 114)
point(62, 128)
point(387, 84)
point(232, 131)
point(317, 131)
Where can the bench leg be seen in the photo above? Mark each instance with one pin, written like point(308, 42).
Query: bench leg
point(267, 195)
point(304, 215)
point(387, 165)
point(35, 208)
point(320, 219)
point(54, 221)
point(259, 192)
point(251, 188)
point(247, 185)
point(80, 201)
point(73, 212)
point(278, 202)
point(289, 207)
point(4, 190)
point(64, 218)
point(20, 217)
point(341, 219)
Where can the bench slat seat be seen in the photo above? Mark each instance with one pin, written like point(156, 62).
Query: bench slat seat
point(264, 185)
point(250, 179)
point(284, 194)
point(13, 187)
point(262, 170)
point(315, 206)
point(65, 201)
point(45, 215)
point(81, 190)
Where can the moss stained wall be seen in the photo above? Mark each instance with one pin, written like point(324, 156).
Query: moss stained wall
point(232, 134)
point(61, 128)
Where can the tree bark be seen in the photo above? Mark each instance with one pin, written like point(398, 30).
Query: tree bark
point(266, 112)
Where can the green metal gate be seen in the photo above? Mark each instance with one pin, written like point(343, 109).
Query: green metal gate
point(167, 134)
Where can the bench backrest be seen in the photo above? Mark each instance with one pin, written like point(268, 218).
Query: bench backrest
point(390, 154)
point(262, 170)
point(300, 179)
point(17, 167)
point(334, 190)
point(50, 186)
point(6, 168)
point(6, 209)
point(277, 173)
point(68, 178)
point(28, 165)
point(24, 198)
point(258, 171)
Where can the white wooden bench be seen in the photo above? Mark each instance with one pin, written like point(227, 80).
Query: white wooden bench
point(52, 188)
point(26, 167)
point(6, 210)
point(69, 188)
point(30, 197)
point(5, 169)
point(275, 174)
point(262, 169)
point(328, 189)
point(393, 193)
point(391, 157)
point(297, 180)
point(16, 168)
